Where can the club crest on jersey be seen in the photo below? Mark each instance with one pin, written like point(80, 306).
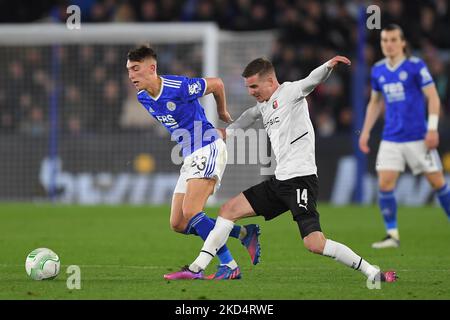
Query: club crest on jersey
point(275, 104)
point(403, 75)
point(194, 88)
point(171, 106)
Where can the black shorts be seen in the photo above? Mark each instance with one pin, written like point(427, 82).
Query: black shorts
point(299, 195)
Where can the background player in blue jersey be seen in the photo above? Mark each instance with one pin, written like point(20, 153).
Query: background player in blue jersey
point(408, 91)
point(173, 101)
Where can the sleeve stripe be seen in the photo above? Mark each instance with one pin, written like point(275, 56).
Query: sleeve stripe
point(172, 85)
point(172, 81)
point(206, 86)
point(427, 84)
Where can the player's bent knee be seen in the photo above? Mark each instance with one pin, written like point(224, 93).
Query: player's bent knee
point(386, 186)
point(437, 181)
point(179, 227)
point(189, 212)
point(314, 248)
point(313, 245)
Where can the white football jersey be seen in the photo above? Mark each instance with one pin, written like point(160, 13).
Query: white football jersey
point(286, 119)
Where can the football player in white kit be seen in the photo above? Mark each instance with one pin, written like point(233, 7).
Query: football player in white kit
point(284, 111)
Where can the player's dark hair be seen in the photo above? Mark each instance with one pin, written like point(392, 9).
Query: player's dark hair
point(141, 53)
point(259, 66)
point(393, 27)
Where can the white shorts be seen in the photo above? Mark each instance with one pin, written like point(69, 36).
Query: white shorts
point(208, 162)
point(394, 156)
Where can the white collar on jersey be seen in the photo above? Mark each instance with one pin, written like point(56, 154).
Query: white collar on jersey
point(395, 67)
point(160, 91)
point(274, 94)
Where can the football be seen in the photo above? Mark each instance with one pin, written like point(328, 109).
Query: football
point(42, 264)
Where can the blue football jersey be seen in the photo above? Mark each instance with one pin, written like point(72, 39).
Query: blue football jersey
point(405, 102)
point(177, 108)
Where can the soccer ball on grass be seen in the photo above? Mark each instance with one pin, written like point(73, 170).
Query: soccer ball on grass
point(42, 264)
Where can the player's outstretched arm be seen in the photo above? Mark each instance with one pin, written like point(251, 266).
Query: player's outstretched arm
point(338, 59)
point(372, 114)
point(245, 120)
point(432, 136)
point(320, 74)
point(217, 88)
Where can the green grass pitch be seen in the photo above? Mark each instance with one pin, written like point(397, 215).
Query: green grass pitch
point(123, 251)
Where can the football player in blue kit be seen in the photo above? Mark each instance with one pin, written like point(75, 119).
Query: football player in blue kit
point(173, 101)
point(408, 91)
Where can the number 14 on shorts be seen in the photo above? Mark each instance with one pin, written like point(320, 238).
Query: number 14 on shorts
point(302, 198)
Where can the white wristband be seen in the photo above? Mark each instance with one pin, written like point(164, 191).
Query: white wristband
point(433, 122)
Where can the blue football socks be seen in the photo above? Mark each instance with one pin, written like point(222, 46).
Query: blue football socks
point(235, 233)
point(388, 207)
point(444, 198)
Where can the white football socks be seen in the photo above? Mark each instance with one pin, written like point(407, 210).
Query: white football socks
point(345, 255)
point(394, 233)
point(216, 239)
point(232, 264)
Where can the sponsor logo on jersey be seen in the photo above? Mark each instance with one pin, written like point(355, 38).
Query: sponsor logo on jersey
point(194, 88)
point(394, 91)
point(403, 75)
point(271, 122)
point(275, 104)
point(168, 121)
point(171, 106)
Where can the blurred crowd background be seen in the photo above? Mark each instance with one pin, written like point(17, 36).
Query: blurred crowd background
point(308, 33)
